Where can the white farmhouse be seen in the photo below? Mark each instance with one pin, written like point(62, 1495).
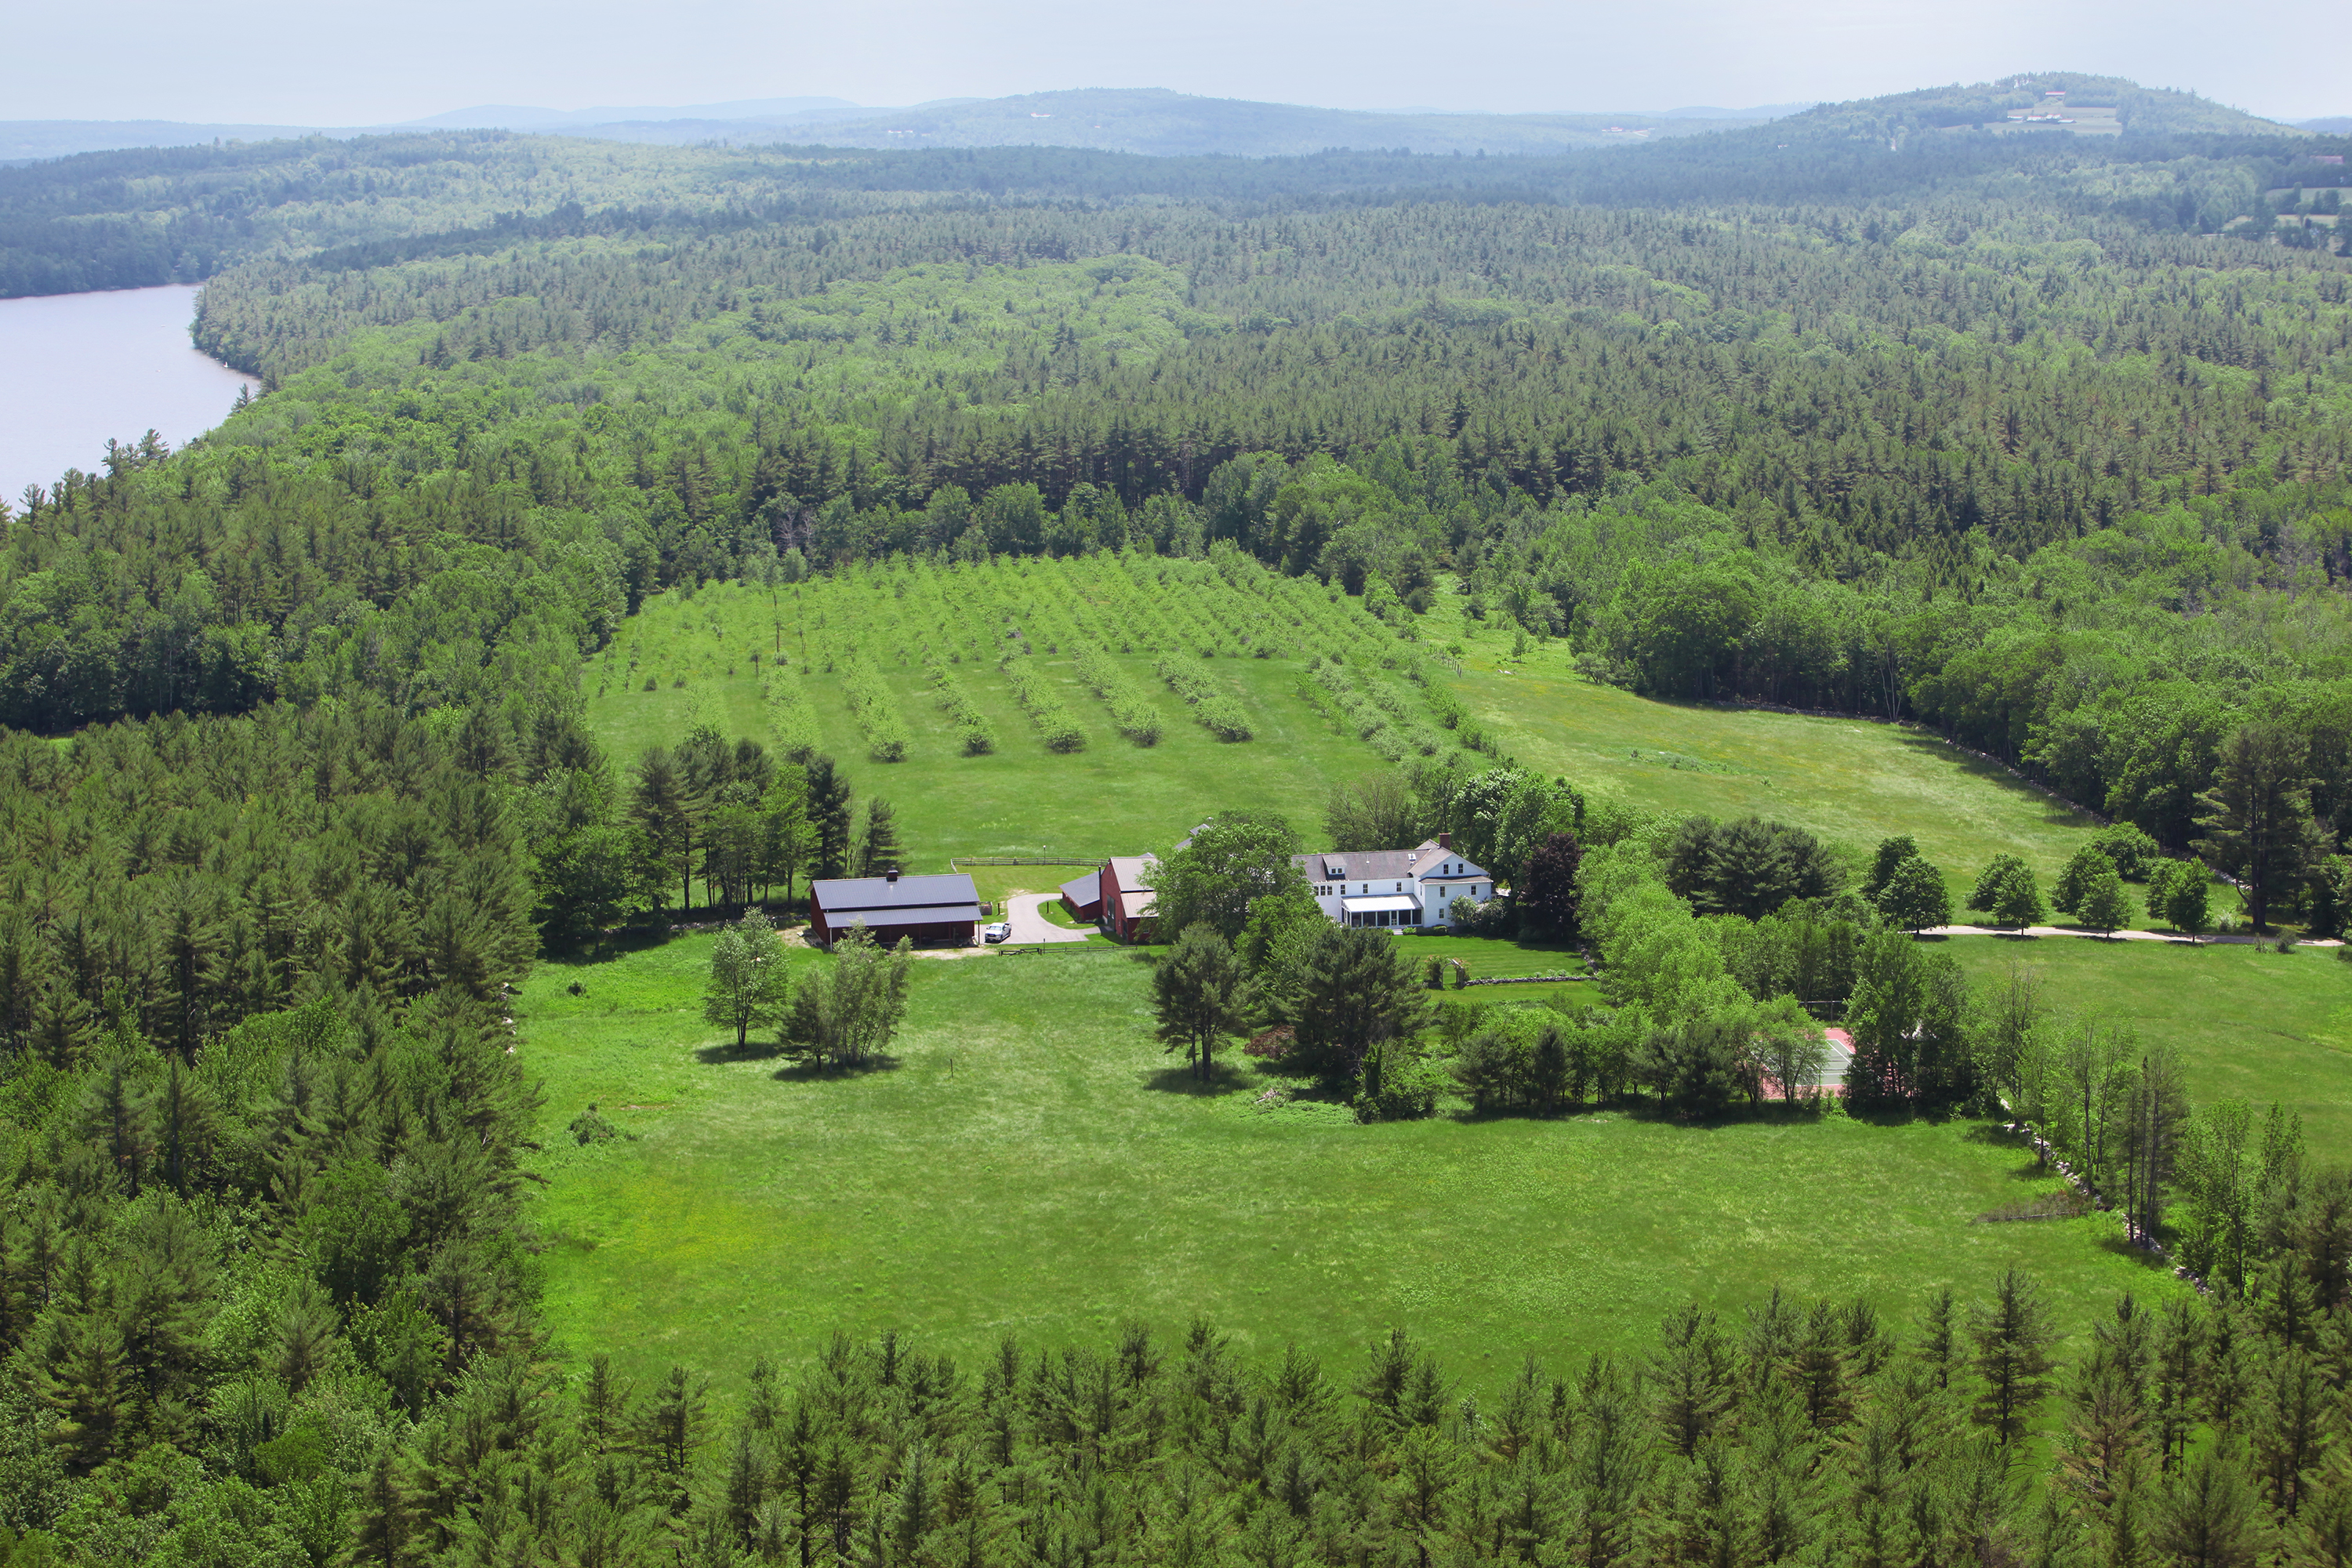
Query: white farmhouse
point(1407, 888)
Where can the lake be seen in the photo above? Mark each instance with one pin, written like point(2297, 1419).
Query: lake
point(83, 368)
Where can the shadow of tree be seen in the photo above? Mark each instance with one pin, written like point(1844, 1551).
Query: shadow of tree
point(2053, 811)
point(1186, 1080)
point(801, 1071)
point(1999, 1135)
point(2116, 1244)
point(749, 1051)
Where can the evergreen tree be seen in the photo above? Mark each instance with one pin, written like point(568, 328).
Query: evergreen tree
point(1355, 989)
point(2208, 1517)
point(385, 1530)
point(660, 805)
point(2012, 1334)
point(879, 849)
point(1692, 1375)
point(828, 815)
point(2257, 819)
point(1196, 989)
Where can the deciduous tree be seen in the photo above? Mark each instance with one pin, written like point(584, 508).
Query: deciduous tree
point(750, 985)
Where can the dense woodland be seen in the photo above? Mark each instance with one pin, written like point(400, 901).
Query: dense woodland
point(2041, 441)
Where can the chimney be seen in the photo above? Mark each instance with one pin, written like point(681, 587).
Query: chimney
point(1446, 842)
point(890, 876)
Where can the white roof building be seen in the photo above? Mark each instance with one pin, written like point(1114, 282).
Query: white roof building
point(1409, 889)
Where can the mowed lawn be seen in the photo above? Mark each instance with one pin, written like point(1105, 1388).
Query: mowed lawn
point(1034, 1164)
point(2249, 1023)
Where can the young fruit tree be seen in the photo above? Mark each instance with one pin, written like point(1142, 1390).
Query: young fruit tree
point(750, 985)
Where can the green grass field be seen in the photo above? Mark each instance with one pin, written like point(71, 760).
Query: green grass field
point(1846, 779)
point(1035, 1163)
point(1112, 798)
point(2251, 1024)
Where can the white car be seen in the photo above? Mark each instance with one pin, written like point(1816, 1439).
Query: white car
point(1000, 932)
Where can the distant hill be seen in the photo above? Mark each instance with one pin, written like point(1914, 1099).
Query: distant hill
point(22, 140)
point(2332, 125)
point(764, 110)
point(1155, 120)
point(2135, 109)
point(1159, 121)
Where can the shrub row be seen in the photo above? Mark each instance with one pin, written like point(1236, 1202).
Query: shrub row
point(1211, 704)
point(1130, 709)
point(979, 736)
point(1056, 726)
point(791, 717)
point(1376, 712)
point(875, 708)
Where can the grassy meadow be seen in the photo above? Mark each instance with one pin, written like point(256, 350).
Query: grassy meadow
point(1033, 1163)
point(1848, 780)
point(2249, 1023)
point(1845, 779)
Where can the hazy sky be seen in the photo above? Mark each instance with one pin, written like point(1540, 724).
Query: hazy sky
point(279, 61)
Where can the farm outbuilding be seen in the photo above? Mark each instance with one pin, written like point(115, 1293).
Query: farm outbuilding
point(1082, 896)
point(1126, 901)
point(932, 910)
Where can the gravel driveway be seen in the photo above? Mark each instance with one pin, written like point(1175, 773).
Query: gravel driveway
point(1021, 912)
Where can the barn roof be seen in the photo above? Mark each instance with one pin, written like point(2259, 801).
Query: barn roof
point(897, 900)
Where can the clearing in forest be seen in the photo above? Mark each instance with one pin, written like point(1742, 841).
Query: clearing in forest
point(1846, 779)
point(1034, 1164)
point(2249, 1023)
point(948, 669)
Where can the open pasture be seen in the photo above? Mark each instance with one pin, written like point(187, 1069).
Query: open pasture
point(1845, 779)
point(1033, 1163)
point(908, 660)
point(2249, 1023)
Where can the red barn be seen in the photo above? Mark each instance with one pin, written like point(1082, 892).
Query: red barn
point(1126, 901)
point(1082, 896)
